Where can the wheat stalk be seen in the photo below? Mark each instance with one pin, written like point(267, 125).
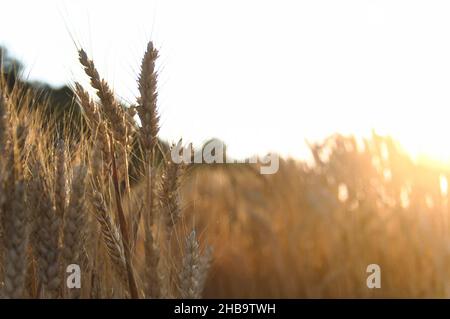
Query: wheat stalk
point(60, 179)
point(4, 128)
point(152, 257)
point(169, 196)
point(123, 229)
point(3, 124)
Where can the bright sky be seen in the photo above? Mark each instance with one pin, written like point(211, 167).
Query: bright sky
point(260, 75)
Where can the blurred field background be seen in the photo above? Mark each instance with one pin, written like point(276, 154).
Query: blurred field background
point(312, 229)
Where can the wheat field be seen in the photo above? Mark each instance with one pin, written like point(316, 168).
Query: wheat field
point(100, 191)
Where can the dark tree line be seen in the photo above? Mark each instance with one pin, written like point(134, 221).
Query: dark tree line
point(56, 103)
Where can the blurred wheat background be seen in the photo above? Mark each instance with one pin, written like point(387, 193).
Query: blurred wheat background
point(87, 178)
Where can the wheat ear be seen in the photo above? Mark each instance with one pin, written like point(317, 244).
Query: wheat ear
point(190, 277)
point(47, 226)
point(112, 109)
point(90, 109)
point(75, 223)
point(16, 241)
point(147, 108)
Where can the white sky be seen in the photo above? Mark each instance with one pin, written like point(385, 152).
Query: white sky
point(260, 75)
